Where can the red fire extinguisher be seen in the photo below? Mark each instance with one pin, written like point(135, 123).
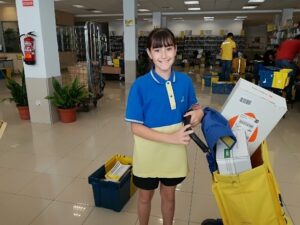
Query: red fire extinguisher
point(29, 48)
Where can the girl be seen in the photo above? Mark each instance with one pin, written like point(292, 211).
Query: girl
point(156, 105)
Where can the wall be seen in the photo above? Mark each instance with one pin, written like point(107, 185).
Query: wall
point(195, 25)
point(256, 40)
point(64, 19)
point(8, 14)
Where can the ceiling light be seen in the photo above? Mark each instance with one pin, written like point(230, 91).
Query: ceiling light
point(2, 2)
point(143, 10)
point(177, 18)
point(119, 19)
point(97, 11)
point(241, 17)
point(256, 1)
point(249, 7)
point(191, 2)
point(194, 9)
point(208, 17)
point(78, 6)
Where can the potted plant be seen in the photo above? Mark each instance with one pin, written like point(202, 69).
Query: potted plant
point(66, 98)
point(19, 95)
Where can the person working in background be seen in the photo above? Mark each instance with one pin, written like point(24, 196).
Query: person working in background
point(286, 53)
point(228, 47)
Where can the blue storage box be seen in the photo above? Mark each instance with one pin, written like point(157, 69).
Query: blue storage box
point(222, 87)
point(207, 80)
point(228, 88)
point(110, 194)
point(266, 77)
point(1, 75)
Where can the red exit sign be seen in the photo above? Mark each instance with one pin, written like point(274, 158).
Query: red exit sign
point(27, 2)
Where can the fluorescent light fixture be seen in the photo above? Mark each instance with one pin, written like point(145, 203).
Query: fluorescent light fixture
point(194, 9)
point(147, 19)
point(191, 2)
point(177, 18)
point(241, 17)
point(143, 10)
point(97, 11)
point(2, 2)
point(256, 1)
point(119, 19)
point(249, 7)
point(208, 17)
point(78, 6)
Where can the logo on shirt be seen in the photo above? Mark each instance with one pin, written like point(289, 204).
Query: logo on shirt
point(182, 99)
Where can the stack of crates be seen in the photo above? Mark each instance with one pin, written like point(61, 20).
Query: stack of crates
point(80, 71)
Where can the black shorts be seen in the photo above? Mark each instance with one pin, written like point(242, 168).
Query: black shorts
point(150, 183)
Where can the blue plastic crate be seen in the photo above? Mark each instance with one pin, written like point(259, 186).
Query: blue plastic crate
point(207, 80)
point(266, 77)
point(228, 88)
point(2, 76)
point(109, 194)
point(218, 88)
point(222, 87)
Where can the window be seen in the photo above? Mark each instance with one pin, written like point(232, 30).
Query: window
point(9, 37)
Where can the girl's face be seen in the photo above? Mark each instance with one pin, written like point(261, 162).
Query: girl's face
point(163, 59)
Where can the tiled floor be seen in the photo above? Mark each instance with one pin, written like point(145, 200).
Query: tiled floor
point(44, 168)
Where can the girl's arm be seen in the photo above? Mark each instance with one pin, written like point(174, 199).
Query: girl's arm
point(179, 137)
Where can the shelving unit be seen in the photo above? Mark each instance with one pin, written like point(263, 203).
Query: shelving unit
point(116, 44)
point(185, 46)
point(277, 36)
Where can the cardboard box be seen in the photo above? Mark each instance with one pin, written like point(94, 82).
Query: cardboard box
point(235, 160)
point(255, 109)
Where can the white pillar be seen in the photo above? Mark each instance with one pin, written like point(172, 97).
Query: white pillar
point(40, 18)
point(130, 39)
point(156, 21)
point(287, 14)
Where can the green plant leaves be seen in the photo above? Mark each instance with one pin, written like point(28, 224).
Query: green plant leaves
point(18, 91)
point(68, 96)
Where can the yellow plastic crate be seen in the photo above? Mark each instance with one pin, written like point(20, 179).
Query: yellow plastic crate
point(281, 79)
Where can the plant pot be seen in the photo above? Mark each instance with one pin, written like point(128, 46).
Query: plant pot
point(24, 112)
point(67, 115)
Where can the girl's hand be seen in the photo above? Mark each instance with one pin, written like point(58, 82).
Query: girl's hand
point(182, 135)
point(196, 116)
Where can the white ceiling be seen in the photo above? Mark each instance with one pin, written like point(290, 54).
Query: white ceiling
point(220, 9)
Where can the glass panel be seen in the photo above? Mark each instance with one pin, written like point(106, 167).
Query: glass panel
point(11, 37)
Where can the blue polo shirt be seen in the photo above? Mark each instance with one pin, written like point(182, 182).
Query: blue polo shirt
point(159, 104)
point(149, 101)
